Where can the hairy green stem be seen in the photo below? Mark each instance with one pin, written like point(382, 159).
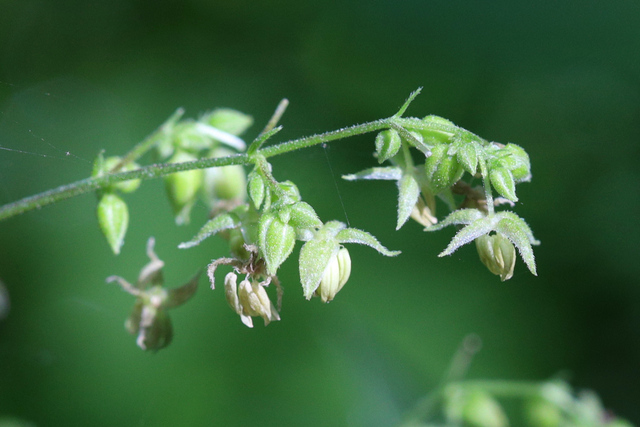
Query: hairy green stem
point(487, 186)
point(155, 171)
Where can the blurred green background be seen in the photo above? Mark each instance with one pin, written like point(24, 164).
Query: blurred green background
point(560, 78)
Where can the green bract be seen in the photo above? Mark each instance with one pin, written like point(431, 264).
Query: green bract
point(478, 224)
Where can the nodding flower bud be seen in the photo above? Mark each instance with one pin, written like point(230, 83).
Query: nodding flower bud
point(335, 275)
point(498, 254)
point(249, 300)
point(113, 218)
point(182, 187)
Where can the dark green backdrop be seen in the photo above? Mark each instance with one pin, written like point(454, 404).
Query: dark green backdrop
point(560, 78)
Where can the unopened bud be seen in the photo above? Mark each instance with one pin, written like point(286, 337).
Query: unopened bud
point(182, 187)
point(276, 240)
point(497, 254)
point(442, 170)
point(388, 144)
point(113, 218)
point(335, 275)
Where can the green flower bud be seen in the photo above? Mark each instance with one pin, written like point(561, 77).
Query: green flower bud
point(227, 183)
point(388, 144)
point(542, 413)
point(276, 240)
point(502, 181)
point(335, 275)
point(442, 170)
point(113, 218)
point(182, 187)
point(482, 410)
point(497, 254)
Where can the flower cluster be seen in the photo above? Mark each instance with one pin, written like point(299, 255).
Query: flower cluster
point(262, 218)
point(449, 152)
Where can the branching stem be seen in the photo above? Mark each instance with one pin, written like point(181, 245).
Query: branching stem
point(158, 170)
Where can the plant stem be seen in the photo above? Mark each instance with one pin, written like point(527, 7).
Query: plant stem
point(488, 195)
point(154, 171)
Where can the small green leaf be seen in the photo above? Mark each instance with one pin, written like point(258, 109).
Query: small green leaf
point(502, 181)
point(469, 233)
point(276, 240)
point(113, 218)
point(461, 216)
point(517, 231)
point(353, 235)
point(314, 258)
point(215, 225)
point(408, 102)
point(384, 173)
point(408, 193)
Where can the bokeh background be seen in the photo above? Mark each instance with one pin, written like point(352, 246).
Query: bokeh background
point(560, 78)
